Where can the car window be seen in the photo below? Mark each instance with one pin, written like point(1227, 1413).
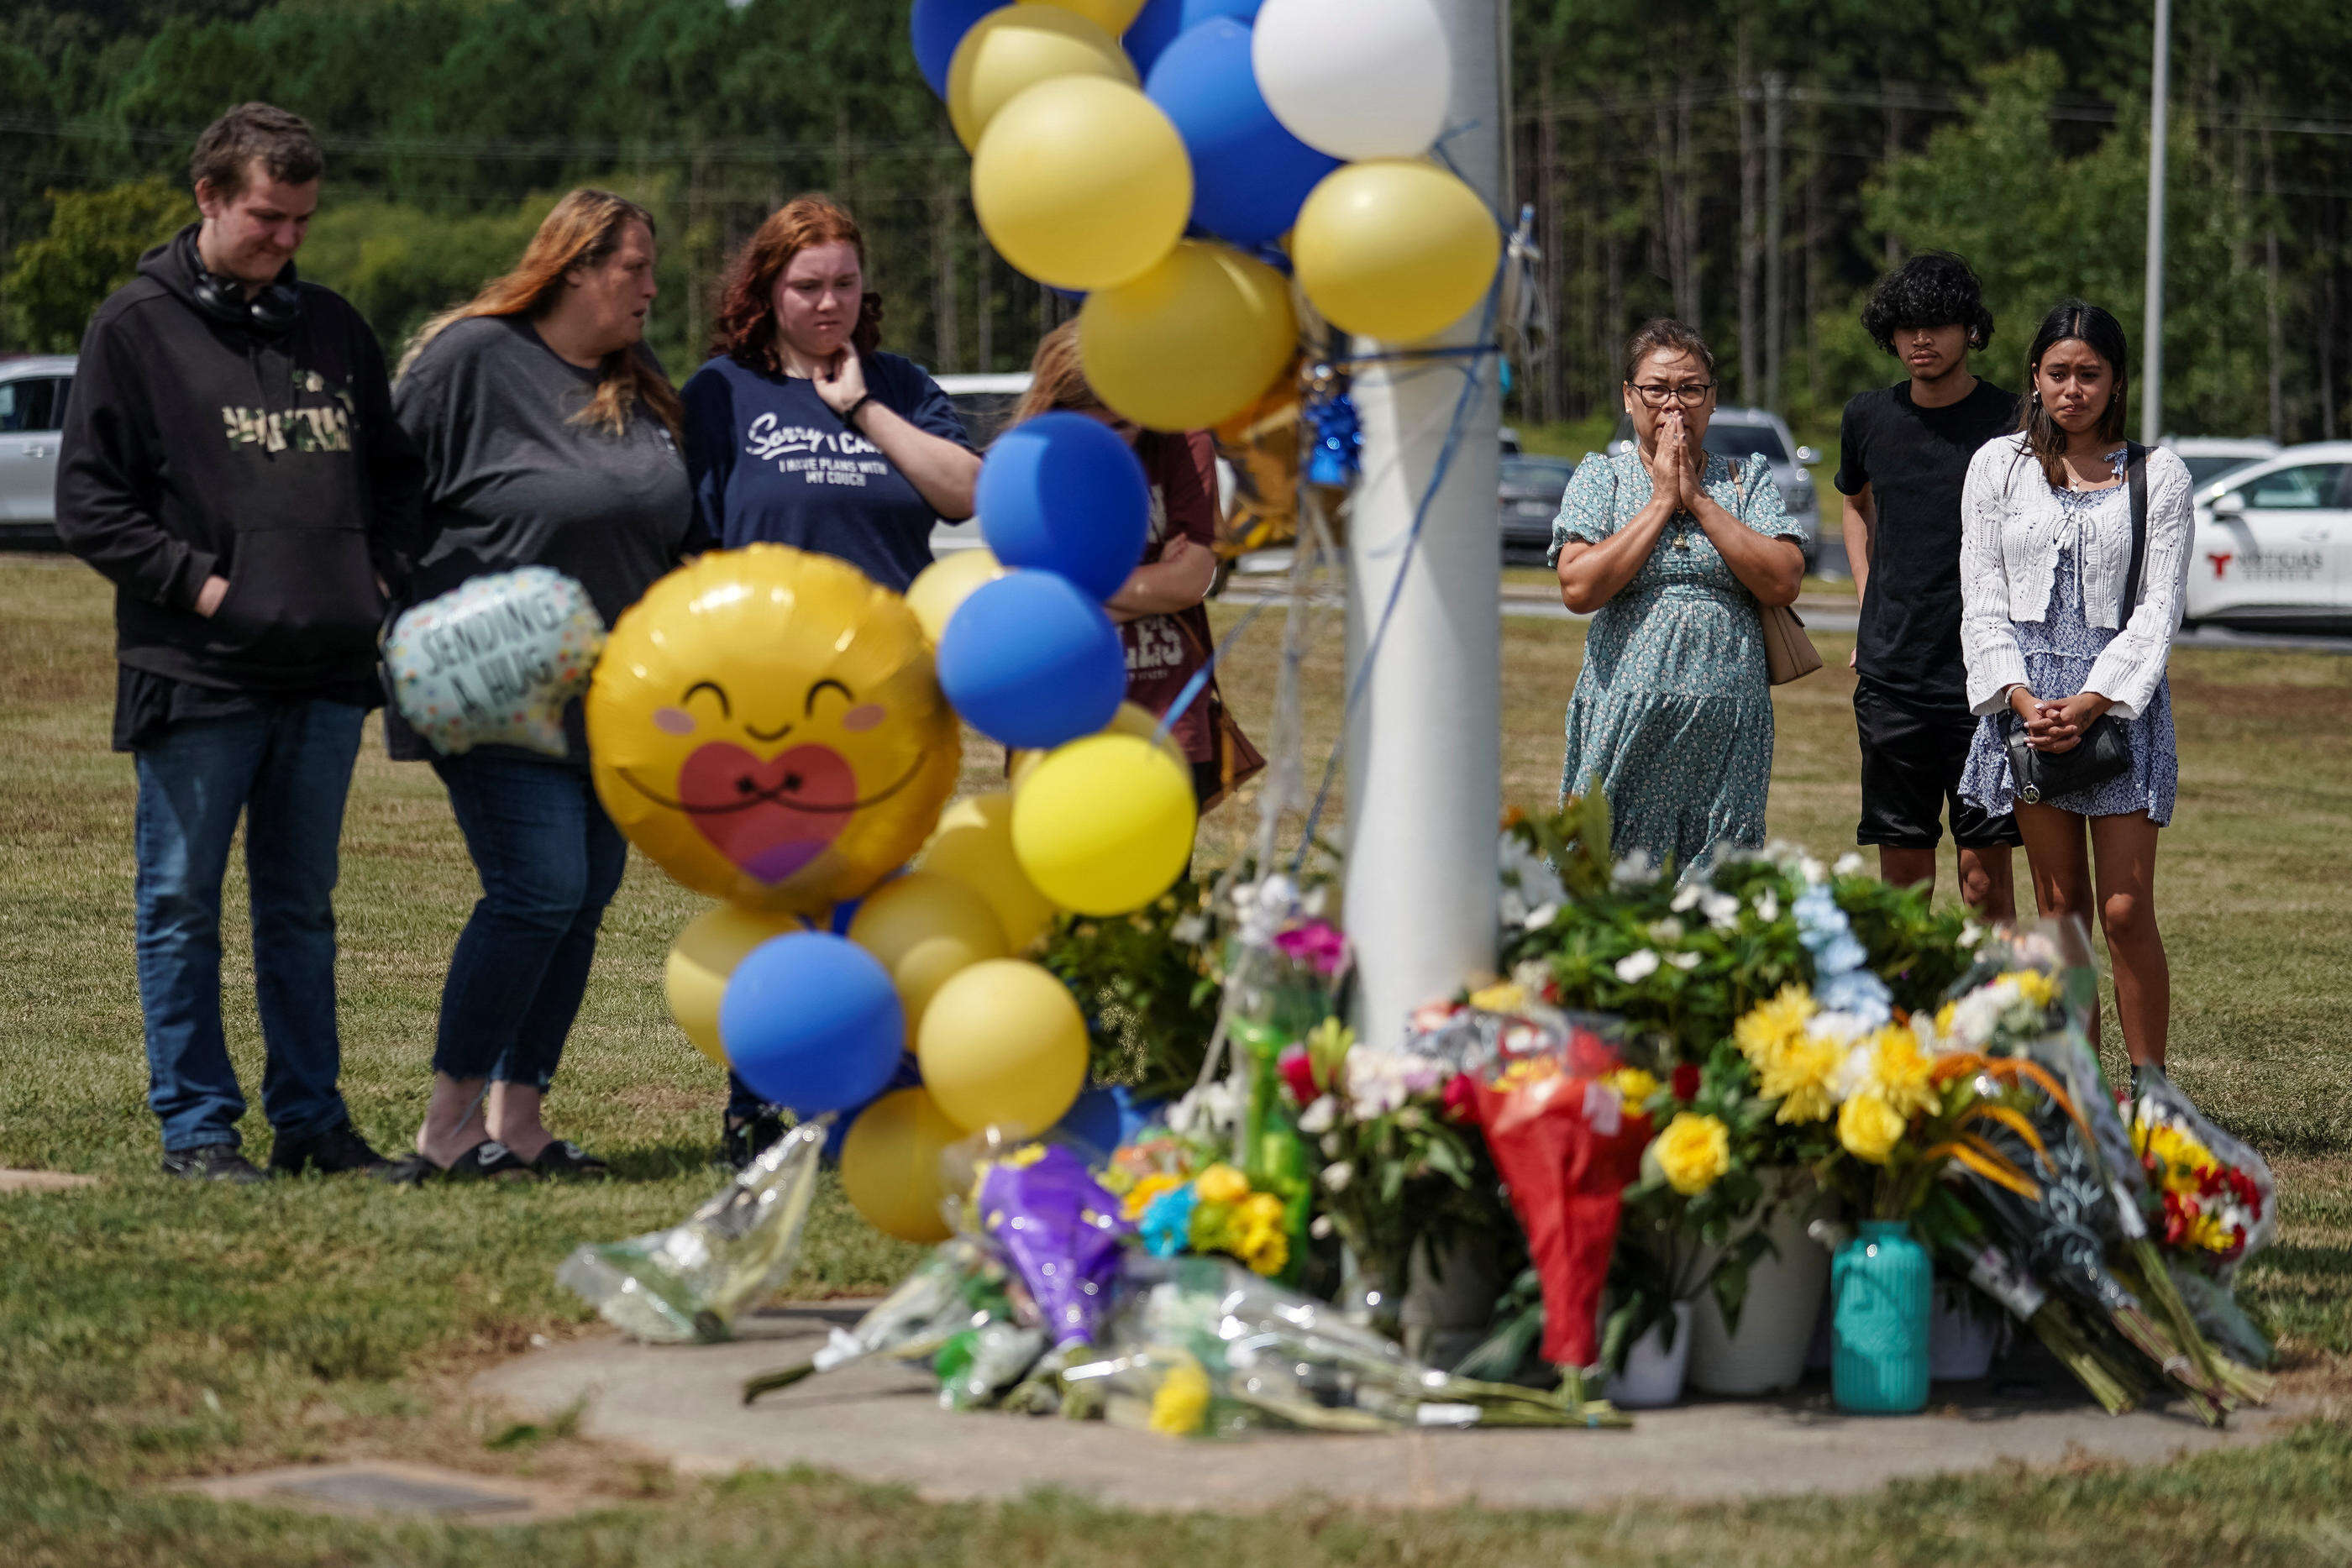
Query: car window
point(32, 403)
point(985, 414)
point(1741, 441)
point(2307, 487)
point(2203, 471)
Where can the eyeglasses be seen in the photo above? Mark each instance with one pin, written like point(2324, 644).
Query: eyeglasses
point(1690, 394)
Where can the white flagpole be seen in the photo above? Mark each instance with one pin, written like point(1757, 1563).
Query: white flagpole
point(1423, 752)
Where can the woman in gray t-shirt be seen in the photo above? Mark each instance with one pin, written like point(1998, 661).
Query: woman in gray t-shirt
point(550, 439)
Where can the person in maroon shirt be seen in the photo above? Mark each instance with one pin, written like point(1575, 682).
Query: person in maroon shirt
point(1161, 608)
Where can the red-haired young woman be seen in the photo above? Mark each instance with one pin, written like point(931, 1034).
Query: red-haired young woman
point(802, 430)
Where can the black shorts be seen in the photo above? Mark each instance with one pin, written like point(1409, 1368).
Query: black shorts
point(1911, 764)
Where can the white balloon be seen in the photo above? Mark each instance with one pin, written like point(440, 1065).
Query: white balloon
point(1356, 79)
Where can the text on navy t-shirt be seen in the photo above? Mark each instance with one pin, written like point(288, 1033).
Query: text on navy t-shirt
point(772, 463)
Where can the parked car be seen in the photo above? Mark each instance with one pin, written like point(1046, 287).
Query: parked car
point(2209, 457)
point(32, 413)
point(1531, 490)
point(2274, 542)
point(1740, 433)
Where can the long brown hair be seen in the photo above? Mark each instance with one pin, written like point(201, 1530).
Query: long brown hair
point(2079, 321)
point(583, 231)
point(1057, 379)
point(745, 331)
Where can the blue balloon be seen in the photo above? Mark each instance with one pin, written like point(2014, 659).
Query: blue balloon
point(1030, 661)
point(938, 26)
point(811, 1023)
point(1063, 493)
point(1250, 176)
point(1161, 22)
point(1108, 1116)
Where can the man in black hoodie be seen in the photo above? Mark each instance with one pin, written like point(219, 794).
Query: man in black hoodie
point(231, 462)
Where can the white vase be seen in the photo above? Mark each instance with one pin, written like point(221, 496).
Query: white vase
point(1654, 1372)
point(1785, 1291)
point(1963, 1336)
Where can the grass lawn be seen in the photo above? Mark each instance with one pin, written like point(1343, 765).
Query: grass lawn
point(152, 1332)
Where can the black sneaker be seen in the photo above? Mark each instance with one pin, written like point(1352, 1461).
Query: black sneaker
point(213, 1162)
point(743, 1141)
point(333, 1152)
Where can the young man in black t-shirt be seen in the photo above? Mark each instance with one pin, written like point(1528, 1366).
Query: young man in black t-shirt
point(1904, 455)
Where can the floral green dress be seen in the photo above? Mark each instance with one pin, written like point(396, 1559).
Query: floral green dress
point(1673, 713)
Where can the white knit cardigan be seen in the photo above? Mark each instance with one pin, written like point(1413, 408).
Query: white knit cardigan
point(2012, 526)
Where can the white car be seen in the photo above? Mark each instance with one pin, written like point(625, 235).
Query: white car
point(986, 401)
point(32, 413)
point(2274, 541)
point(2209, 457)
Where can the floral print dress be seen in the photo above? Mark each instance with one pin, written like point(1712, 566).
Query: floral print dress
point(1672, 715)
point(2059, 653)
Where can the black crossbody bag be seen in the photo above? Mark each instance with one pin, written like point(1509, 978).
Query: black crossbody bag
point(2105, 750)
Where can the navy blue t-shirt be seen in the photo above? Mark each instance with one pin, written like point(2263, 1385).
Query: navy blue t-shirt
point(771, 463)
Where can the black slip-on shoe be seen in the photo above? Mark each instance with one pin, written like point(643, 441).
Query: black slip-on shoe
point(338, 1149)
point(213, 1162)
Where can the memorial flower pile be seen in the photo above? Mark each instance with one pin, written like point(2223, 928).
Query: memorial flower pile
point(1667, 1057)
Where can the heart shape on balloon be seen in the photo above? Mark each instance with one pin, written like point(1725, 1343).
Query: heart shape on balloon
point(772, 817)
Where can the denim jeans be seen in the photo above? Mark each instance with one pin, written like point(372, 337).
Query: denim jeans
point(286, 768)
point(550, 862)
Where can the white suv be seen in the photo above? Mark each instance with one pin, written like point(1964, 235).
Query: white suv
point(32, 413)
point(2274, 541)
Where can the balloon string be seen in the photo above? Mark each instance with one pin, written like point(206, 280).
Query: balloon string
point(1472, 381)
point(1200, 681)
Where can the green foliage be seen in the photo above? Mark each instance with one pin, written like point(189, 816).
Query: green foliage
point(1148, 986)
point(400, 264)
point(91, 249)
point(2038, 225)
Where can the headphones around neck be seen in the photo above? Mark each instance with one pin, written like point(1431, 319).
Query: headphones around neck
point(272, 310)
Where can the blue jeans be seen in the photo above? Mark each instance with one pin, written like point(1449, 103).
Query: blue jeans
point(286, 768)
point(550, 862)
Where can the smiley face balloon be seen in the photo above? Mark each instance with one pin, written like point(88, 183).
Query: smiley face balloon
point(766, 726)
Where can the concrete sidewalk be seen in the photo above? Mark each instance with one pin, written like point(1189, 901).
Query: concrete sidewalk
point(878, 1421)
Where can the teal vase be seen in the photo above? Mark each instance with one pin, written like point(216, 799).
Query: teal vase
point(1880, 1295)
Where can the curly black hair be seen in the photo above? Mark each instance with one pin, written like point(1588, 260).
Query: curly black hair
point(1934, 288)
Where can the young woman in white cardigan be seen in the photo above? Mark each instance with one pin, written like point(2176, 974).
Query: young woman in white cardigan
point(2045, 555)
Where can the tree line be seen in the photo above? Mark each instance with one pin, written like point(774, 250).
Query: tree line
point(1748, 164)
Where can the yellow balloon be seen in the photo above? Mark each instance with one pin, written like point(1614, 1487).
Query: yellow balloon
point(1105, 825)
point(890, 1166)
point(1112, 16)
point(766, 726)
point(975, 847)
point(1394, 249)
point(1082, 183)
point(925, 927)
point(1013, 50)
point(1003, 1045)
point(1192, 342)
point(701, 961)
point(946, 583)
point(1132, 718)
